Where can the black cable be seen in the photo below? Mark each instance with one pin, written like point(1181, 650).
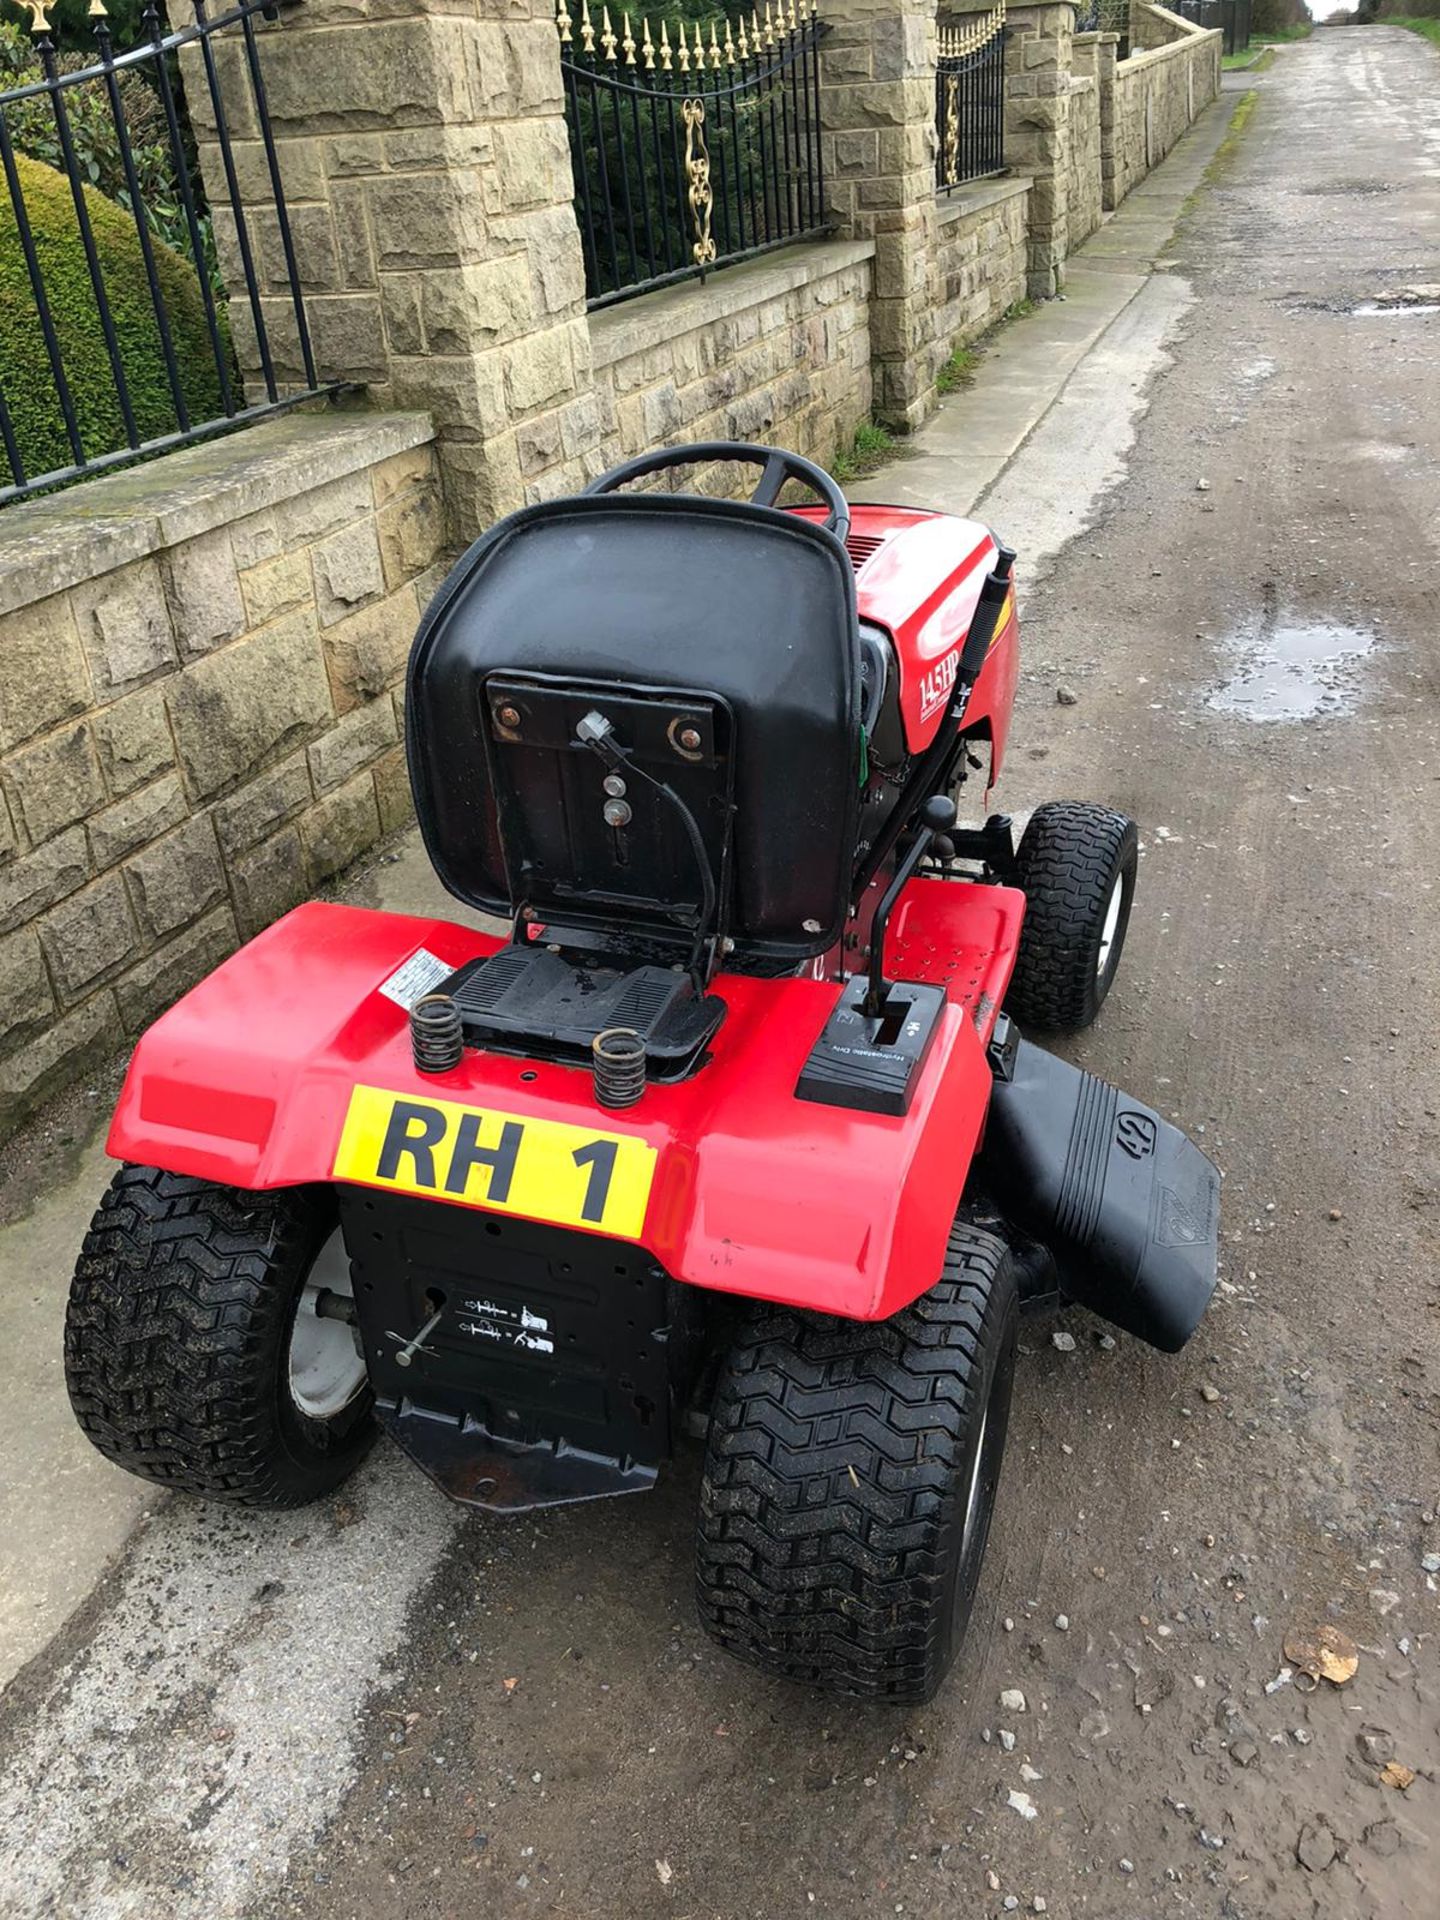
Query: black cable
point(615, 756)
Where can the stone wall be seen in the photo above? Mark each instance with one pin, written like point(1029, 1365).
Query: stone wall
point(982, 233)
point(199, 715)
point(1158, 92)
point(776, 350)
point(428, 171)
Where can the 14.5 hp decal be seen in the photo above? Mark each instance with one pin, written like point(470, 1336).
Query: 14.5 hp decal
point(936, 683)
point(508, 1162)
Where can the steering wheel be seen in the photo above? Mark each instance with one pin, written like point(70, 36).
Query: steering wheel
point(778, 467)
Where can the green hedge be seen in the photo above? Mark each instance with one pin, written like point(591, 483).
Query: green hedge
point(25, 375)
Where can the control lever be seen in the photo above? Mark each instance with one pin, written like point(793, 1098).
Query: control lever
point(937, 816)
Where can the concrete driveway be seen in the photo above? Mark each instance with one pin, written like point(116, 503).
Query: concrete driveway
point(1226, 516)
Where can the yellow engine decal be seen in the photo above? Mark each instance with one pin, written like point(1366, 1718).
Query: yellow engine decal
point(505, 1162)
point(1007, 614)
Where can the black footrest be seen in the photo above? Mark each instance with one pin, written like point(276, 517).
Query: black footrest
point(1127, 1204)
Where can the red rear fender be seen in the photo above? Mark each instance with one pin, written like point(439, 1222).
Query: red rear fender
point(248, 1080)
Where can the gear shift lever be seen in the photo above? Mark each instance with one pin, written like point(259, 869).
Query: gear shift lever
point(937, 816)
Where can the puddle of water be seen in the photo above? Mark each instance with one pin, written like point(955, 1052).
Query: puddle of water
point(1294, 672)
point(1385, 450)
point(1368, 308)
point(1323, 187)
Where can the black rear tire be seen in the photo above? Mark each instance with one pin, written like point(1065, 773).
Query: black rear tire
point(850, 1479)
point(178, 1338)
point(1077, 863)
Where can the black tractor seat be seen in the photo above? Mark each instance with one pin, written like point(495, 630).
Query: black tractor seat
point(634, 722)
point(720, 642)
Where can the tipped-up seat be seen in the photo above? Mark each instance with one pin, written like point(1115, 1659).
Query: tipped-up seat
point(634, 728)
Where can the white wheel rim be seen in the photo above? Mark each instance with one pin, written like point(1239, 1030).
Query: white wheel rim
point(972, 1495)
point(1112, 921)
point(326, 1367)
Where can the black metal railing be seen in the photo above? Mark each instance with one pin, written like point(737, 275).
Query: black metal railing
point(115, 330)
point(1231, 17)
point(691, 150)
point(970, 99)
point(1103, 16)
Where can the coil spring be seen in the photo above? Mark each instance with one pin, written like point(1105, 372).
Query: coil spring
point(437, 1039)
point(618, 1061)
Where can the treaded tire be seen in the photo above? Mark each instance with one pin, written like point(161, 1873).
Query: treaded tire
point(177, 1340)
point(833, 1544)
point(1071, 857)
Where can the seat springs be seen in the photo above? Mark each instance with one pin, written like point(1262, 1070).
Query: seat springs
point(618, 1062)
point(437, 1038)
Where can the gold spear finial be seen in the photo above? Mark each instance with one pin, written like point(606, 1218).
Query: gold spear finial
point(647, 45)
point(665, 47)
point(607, 35)
point(39, 15)
point(769, 27)
point(97, 10)
point(730, 44)
point(628, 43)
point(587, 28)
point(744, 40)
point(562, 22)
point(714, 48)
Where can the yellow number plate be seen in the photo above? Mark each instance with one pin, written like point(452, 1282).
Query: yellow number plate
point(505, 1162)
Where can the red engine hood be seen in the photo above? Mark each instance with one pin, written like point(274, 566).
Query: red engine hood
point(919, 576)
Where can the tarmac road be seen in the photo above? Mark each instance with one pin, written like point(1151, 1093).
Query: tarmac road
point(379, 1707)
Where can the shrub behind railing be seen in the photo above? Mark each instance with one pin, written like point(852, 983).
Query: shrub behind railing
point(115, 338)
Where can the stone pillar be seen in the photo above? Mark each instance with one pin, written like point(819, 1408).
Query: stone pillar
point(877, 112)
point(426, 167)
point(1037, 112)
point(1104, 54)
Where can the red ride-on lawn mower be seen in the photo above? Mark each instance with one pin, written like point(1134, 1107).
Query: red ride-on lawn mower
point(734, 1131)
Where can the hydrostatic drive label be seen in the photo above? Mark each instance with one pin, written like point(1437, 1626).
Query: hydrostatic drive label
point(411, 982)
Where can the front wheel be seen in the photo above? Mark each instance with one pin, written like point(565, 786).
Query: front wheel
point(208, 1344)
point(1077, 866)
point(850, 1478)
